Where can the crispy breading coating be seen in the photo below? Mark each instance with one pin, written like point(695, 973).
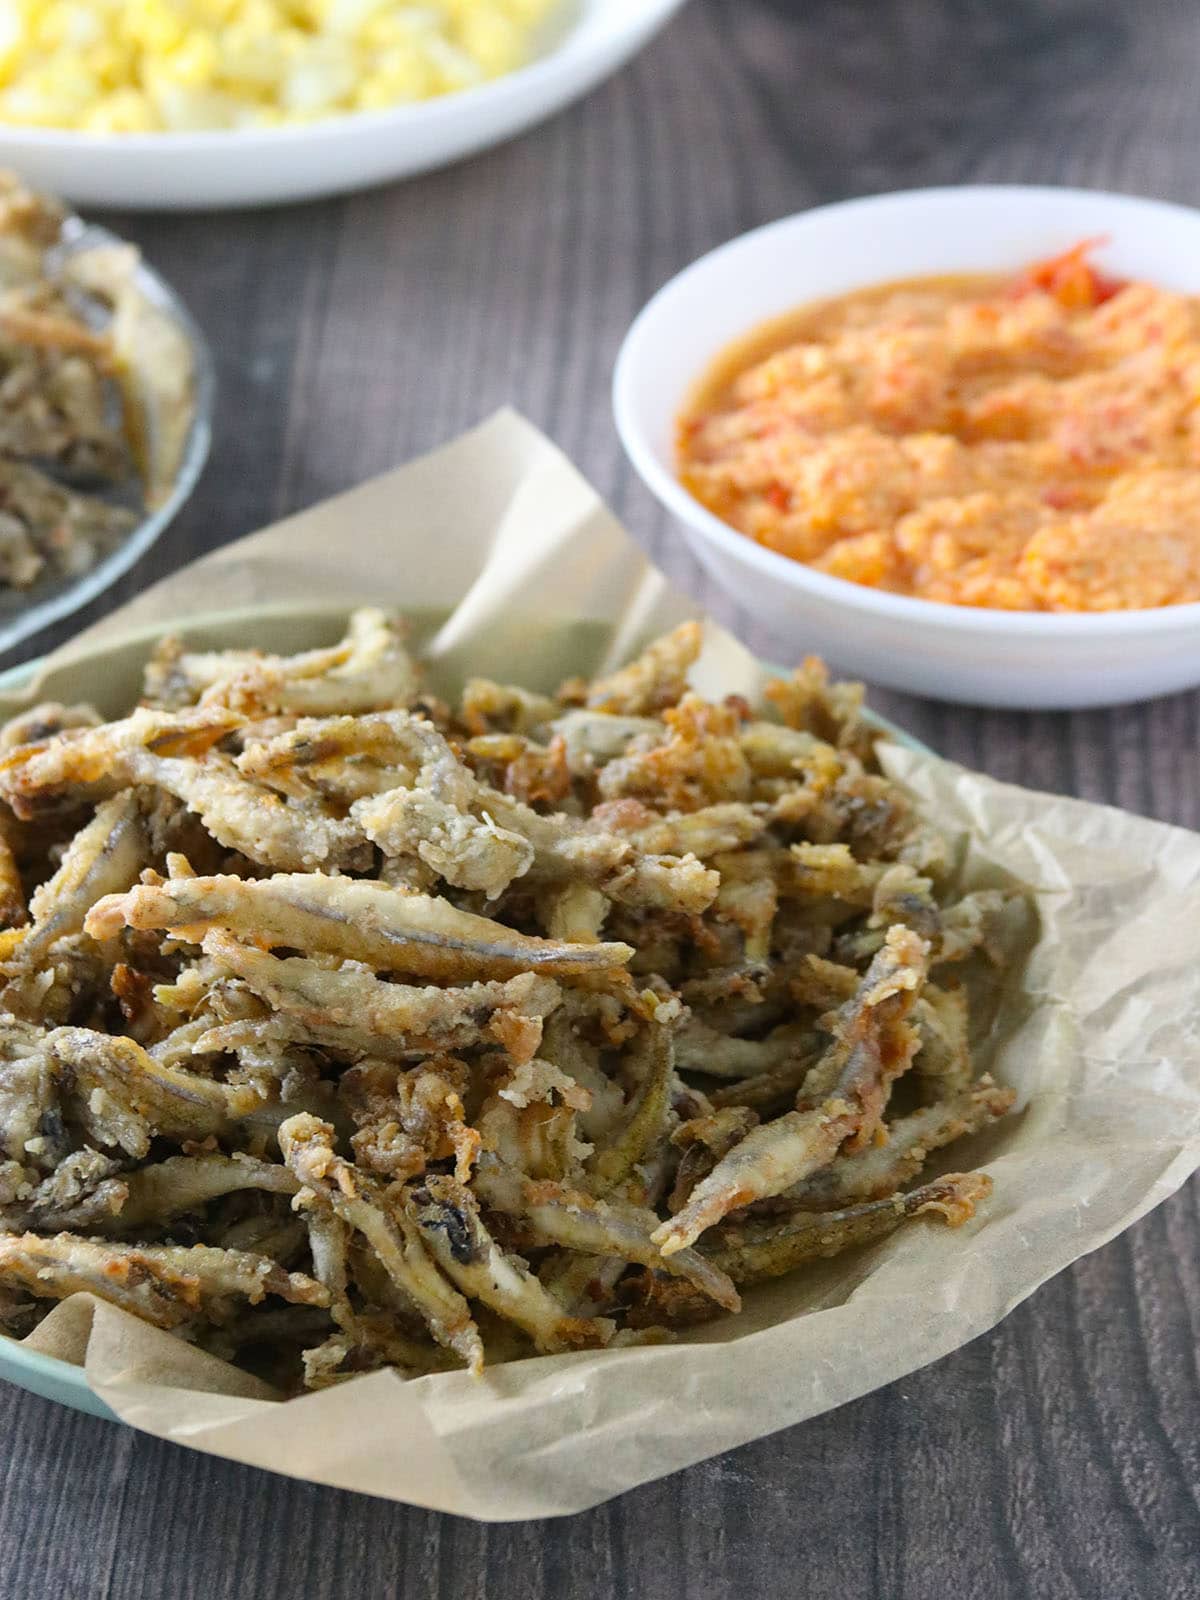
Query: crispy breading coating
point(167, 1285)
point(476, 837)
point(347, 1008)
point(342, 758)
point(307, 1146)
point(370, 670)
point(655, 680)
point(355, 919)
point(696, 761)
point(488, 707)
point(85, 763)
point(711, 831)
point(84, 1190)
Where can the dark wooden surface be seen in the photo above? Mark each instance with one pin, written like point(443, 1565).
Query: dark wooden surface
point(1060, 1455)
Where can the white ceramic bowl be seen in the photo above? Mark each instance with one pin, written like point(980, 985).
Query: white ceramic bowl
point(192, 171)
point(981, 657)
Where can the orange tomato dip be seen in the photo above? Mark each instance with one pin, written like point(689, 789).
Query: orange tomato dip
point(1030, 444)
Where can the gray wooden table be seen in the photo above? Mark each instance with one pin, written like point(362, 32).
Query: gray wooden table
point(1058, 1456)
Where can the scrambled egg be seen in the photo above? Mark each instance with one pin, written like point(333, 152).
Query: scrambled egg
point(140, 66)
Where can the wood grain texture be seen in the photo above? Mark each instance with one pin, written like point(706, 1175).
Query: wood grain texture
point(1058, 1456)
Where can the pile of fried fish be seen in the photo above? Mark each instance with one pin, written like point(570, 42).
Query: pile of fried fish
point(68, 419)
point(343, 1028)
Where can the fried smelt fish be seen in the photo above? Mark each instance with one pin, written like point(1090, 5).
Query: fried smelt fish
point(83, 1190)
point(711, 831)
point(44, 721)
point(329, 1247)
point(32, 1131)
point(590, 739)
point(754, 1251)
point(168, 1285)
point(447, 1214)
point(433, 808)
point(369, 671)
point(841, 1101)
point(575, 912)
point(768, 1160)
point(832, 712)
point(179, 1184)
point(348, 1008)
point(372, 1343)
point(359, 920)
point(467, 851)
point(341, 759)
point(487, 707)
point(705, 1049)
point(704, 1141)
point(693, 760)
point(288, 836)
point(125, 1097)
point(766, 1091)
point(102, 858)
point(942, 1064)
point(646, 1122)
point(307, 1146)
point(557, 1215)
point(874, 1043)
point(88, 762)
point(882, 1168)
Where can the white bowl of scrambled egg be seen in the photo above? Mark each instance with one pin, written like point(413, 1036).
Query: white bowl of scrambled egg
point(188, 104)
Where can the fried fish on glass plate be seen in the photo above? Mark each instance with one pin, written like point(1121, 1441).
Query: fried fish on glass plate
point(345, 1029)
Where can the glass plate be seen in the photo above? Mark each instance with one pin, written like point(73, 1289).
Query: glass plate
point(24, 612)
